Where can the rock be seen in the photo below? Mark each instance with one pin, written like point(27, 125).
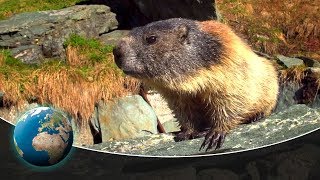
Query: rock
point(127, 117)
point(95, 125)
point(113, 37)
point(309, 62)
point(304, 91)
point(289, 62)
point(171, 126)
point(33, 36)
point(30, 54)
point(14, 112)
point(288, 123)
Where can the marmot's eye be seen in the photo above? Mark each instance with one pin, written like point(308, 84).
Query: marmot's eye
point(151, 39)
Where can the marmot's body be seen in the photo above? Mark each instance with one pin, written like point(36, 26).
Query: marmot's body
point(211, 79)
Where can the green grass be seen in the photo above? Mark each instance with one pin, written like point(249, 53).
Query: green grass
point(91, 48)
point(91, 51)
point(78, 41)
point(11, 7)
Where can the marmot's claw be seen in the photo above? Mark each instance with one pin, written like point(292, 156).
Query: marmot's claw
point(257, 117)
point(213, 139)
point(181, 136)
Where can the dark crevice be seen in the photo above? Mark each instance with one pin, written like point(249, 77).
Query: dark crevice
point(127, 14)
point(11, 33)
point(130, 13)
point(97, 136)
point(100, 34)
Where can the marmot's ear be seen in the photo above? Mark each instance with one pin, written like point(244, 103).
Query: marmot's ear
point(182, 32)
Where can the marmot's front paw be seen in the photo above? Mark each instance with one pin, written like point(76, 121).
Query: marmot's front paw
point(181, 136)
point(213, 139)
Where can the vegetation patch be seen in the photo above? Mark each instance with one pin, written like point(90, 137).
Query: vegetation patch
point(11, 7)
point(276, 27)
point(88, 75)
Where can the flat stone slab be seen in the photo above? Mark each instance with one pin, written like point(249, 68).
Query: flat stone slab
point(295, 121)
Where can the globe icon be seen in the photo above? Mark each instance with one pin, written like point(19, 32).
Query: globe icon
point(43, 136)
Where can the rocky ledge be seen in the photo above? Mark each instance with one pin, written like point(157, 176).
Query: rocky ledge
point(295, 121)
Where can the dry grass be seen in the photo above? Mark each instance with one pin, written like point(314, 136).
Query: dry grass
point(285, 27)
point(294, 74)
point(74, 87)
point(1, 59)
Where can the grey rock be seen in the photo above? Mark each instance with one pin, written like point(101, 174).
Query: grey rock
point(14, 112)
point(309, 62)
point(171, 126)
point(126, 117)
point(289, 62)
point(36, 35)
point(94, 120)
point(30, 54)
point(113, 37)
point(289, 123)
point(303, 92)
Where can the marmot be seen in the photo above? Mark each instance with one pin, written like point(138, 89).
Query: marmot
point(210, 77)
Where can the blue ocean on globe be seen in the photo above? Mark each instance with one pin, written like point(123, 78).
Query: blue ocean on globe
point(43, 136)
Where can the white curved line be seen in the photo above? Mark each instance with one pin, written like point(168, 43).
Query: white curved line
point(189, 156)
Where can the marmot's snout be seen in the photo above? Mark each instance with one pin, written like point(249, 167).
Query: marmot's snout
point(118, 53)
point(126, 58)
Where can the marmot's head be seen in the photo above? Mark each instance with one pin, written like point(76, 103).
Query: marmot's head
point(166, 49)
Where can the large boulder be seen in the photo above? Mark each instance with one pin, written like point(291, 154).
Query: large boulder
point(34, 36)
point(124, 118)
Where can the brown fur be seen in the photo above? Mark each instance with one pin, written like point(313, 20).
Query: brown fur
point(237, 90)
